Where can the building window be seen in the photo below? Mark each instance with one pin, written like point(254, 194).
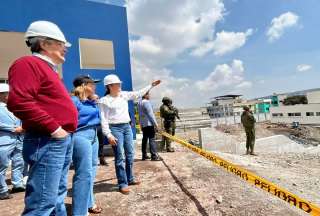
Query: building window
point(310, 113)
point(277, 114)
point(96, 54)
point(318, 113)
point(3, 80)
point(294, 114)
point(9, 52)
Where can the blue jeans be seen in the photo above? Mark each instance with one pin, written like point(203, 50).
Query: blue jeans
point(48, 159)
point(11, 152)
point(124, 153)
point(85, 161)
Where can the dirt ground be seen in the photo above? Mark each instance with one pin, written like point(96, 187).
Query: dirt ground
point(182, 184)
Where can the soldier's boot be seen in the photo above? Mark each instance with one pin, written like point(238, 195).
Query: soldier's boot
point(248, 152)
point(169, 147)
point(163, 144)
point(252, 152)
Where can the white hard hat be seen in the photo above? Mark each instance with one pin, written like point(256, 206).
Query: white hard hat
point(111, 79)
point(4, 87)
point(46, 29)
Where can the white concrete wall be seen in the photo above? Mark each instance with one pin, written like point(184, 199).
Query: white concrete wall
point(313, 97)
point(211, 139)
point(301, 108)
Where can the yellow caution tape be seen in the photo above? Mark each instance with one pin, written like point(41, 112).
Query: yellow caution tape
point(251, 178)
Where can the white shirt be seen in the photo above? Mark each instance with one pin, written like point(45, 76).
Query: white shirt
point(48, 60)
point(114, 110)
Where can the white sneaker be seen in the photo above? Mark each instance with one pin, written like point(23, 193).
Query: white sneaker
point(25, 179)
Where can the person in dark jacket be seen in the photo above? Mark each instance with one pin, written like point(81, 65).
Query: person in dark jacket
point(169, 114)
point(248, 121)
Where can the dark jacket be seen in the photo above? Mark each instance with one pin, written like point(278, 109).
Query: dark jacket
point(248, 120)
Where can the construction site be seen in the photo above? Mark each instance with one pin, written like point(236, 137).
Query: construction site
point(185, 183)
point(288, 156)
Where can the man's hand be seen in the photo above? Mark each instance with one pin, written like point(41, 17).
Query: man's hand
point(61, 133)
point(156, 129)
point(19, 130)
point(112, 140)
point(155, 83)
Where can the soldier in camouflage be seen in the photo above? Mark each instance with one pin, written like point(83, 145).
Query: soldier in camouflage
point(169, 114)
point(248, 121)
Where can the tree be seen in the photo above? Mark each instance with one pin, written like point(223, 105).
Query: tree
point(293, 100)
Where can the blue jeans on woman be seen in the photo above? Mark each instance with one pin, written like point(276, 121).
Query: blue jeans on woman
point(49, 160)
point(124, 153)
point(85, 161)
point(11, 152)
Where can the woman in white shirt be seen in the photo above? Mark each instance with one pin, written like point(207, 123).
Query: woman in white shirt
point(115, 122)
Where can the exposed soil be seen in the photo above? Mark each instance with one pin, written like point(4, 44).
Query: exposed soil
point(182, 184)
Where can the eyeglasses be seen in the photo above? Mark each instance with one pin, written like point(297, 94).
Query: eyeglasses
point(59, 43)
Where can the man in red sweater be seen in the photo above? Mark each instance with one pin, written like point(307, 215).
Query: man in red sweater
point(39, 98)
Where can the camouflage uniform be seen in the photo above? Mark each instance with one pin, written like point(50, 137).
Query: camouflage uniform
point(169, 114)
point(248, 121)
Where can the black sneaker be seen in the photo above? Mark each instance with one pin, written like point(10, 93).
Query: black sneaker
point(18, 190)
point(5, 195)
point(103, 162)
point(146, 157)
point(156, 159)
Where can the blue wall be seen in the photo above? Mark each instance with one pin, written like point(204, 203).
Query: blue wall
point(77, 19)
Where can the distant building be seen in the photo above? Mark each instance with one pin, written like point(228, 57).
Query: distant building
point(263, 105)
point(232, 105)
point(223, 106)
point(302, 113)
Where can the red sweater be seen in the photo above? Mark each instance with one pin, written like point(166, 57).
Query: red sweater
point(38, 97)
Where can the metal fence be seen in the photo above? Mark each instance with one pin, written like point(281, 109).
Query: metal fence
point(230, 120)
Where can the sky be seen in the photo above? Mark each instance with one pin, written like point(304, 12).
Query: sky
point(202, 49)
